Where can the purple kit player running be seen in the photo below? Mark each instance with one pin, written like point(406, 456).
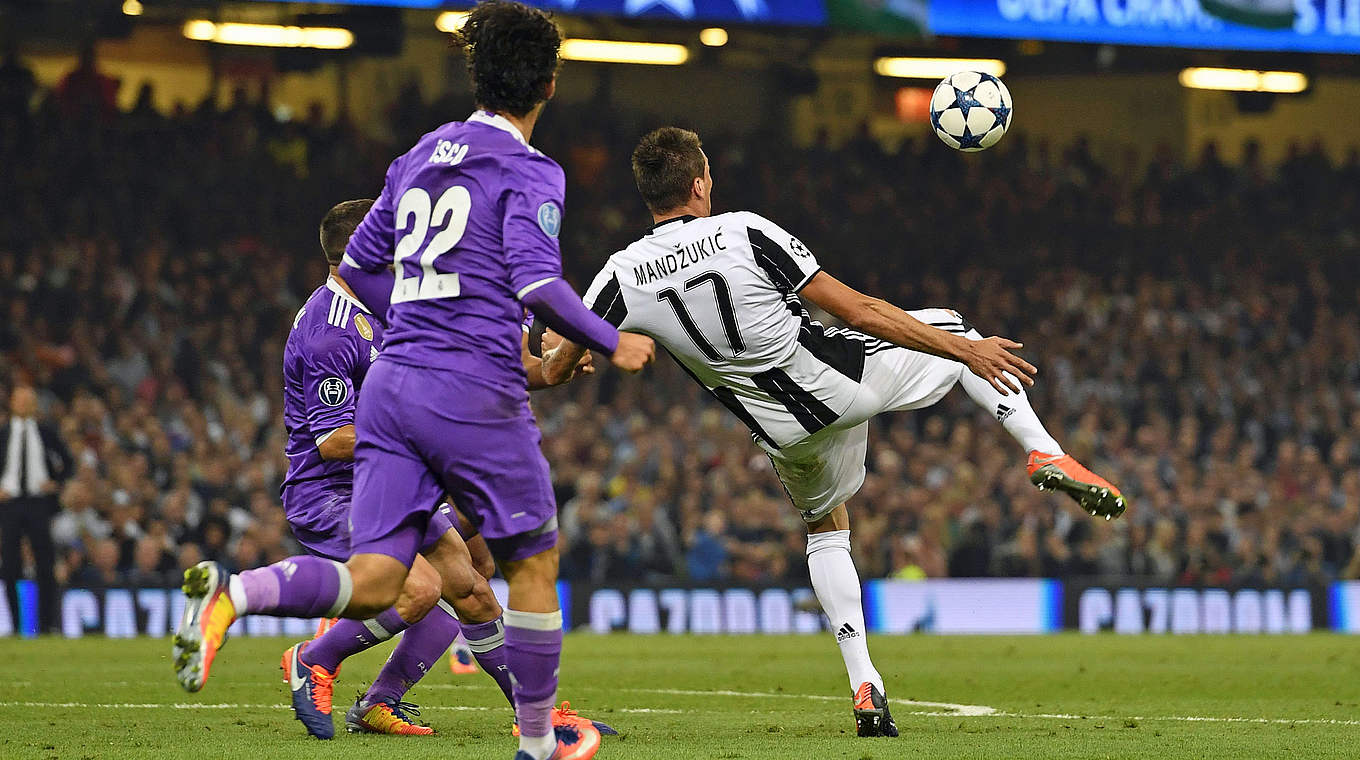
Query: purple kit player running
point(470, 218)
point(333, 341)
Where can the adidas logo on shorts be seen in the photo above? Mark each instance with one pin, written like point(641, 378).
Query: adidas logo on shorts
point(846, 631)
point(1002, 412)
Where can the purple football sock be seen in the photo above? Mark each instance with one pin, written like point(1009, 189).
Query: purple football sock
point(350, 637)
point(487, 642)
point(295, 587)
point(533, 650)
point(419, 649)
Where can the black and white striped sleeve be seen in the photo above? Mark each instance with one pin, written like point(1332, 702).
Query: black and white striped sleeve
point(605, 298)
point(784, 259)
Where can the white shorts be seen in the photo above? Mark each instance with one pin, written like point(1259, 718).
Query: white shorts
point(826, 469)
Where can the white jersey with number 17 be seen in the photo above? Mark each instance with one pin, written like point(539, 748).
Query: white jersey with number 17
point(720, 294)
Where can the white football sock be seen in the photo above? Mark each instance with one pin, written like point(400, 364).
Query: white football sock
point(539, 747)
point(836, 584)
point(1013, 411)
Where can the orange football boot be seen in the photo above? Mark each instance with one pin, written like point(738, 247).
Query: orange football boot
point(1061, 472)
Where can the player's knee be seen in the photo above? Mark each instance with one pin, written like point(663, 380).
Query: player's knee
point(417, 597)
point(479, 604)
point(540, 568)
point(377, 582)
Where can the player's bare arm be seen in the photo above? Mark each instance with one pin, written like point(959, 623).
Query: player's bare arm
point(989, 358)
point(533, 365)
point(338, 444)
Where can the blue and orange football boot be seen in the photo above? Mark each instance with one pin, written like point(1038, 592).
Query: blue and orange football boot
point(312, 687)
point(325, 624)
point(384, 718)
point(1061, 472)
point(208, 613)
point(574, 742)
point(461, 660)
point(563, 715)
point(872, 717)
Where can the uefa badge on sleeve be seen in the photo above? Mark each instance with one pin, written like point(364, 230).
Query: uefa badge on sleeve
point(550, 219)
point(332, 391)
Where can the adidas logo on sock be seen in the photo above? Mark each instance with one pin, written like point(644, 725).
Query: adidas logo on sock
point(1003, 411)
point(846, 631)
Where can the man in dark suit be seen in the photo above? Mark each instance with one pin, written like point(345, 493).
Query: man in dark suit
point(33, 463)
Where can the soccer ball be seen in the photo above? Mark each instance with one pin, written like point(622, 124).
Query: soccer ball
point(970, 110)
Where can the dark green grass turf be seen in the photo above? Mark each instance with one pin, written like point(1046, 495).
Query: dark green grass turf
point(1056, 697)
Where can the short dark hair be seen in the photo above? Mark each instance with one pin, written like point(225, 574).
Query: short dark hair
point(511, 54)
point(665, 164)
point(338, 224)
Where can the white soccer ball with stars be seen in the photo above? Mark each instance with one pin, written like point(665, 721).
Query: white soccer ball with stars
point(970, 110)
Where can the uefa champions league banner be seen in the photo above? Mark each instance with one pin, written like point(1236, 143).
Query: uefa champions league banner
point(975, 606)
point(1134, 609)
point(940, 606)
point(931, 606)
point(1321, 26)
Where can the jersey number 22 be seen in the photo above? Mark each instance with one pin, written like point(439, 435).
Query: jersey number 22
point(449, 212)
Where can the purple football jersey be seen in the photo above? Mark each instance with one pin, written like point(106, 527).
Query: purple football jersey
point(470, 218)
point(328, 353)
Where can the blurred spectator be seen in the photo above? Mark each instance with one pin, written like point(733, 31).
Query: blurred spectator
point(34, 462)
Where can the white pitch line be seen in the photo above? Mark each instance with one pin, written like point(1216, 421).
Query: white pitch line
point(937, 708)
point(951, 711)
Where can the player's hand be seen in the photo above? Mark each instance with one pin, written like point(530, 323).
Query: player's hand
point(634, 352)
point(550, 341)
point(991, 359)
point(584, 366)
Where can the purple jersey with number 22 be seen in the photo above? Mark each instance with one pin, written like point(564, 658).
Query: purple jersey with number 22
point(470, 218)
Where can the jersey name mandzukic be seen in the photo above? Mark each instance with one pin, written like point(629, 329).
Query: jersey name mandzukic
point(684, 256)
point(720, 294)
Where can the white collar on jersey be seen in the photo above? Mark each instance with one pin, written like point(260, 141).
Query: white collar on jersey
point(497, 121)
point(335, 288)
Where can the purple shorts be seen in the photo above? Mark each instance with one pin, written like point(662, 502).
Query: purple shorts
point(319, 514)
point(423, 432)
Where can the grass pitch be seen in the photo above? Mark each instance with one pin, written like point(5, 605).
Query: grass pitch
point(1063, 696)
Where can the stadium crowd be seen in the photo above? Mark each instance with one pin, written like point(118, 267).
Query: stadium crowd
point(1195, 325)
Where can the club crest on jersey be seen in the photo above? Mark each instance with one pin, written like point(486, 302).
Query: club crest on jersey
point(550, 219)
point(332, 391)
point(365, 329)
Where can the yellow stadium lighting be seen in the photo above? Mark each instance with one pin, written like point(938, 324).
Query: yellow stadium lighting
point(1243, 80)
point(713, 36)
point(132, 8)
point(936, 68)
point(269, 35)
point(614, 51)
point(451, 21)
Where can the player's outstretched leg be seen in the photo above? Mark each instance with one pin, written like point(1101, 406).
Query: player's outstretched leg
point(1049, 467)
point(298, 586)
point(837, 585)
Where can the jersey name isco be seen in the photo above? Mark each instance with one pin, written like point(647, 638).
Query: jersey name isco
point(684, 256)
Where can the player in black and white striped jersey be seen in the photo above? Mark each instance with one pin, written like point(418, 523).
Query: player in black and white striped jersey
point(723, 294)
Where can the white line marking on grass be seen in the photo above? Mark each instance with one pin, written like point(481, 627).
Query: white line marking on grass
point(951, 710)
point(938, 708)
